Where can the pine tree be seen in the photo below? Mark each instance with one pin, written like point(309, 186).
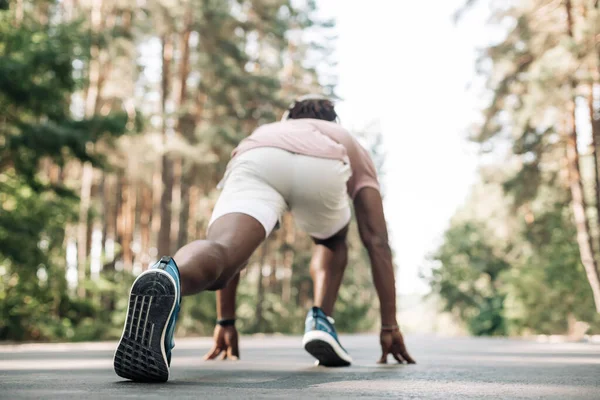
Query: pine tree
point(37, 79)
point(538, 68)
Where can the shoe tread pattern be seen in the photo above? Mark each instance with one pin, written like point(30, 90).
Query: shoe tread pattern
point(326, 355)
point(139, 354)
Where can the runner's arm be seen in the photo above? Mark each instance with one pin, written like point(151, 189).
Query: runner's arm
point(374, 235)
point(225, 337)
point(226, 299)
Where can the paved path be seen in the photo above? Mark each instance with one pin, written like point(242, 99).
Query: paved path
point(276, 367)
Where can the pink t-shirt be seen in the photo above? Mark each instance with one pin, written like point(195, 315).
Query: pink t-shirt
point(317, 138)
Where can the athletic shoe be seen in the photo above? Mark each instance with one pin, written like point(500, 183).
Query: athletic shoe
point(144, 351)
point(321, 340)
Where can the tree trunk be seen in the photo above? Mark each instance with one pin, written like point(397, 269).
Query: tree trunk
point(594, 117)
point(286, 285)
point(45, 169)
point(275, 256)
point(145, 224)
point(186, 130)
point(156, 199)
point(42, 12)
point(595, 123)
point(196, 190)
point(68, 10)
point(19, 12)
point(118, 221)
point(113, 231)
point(54, 175)
point(194, 220)
point(176, 201)
point(124, 239)
point(91, 103)
point(184, 212)
point(95, 68)
point(106, 209)
point(164, 234)
point(128, 223)
point(584, 238)
point(90, 221)
point(87, 175)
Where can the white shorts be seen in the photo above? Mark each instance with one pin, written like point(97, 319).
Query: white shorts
point(265, 182)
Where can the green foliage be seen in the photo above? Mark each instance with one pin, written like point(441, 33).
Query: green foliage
point(36, 82)
point(531, 281)
point(549, 284)
point(470, 277)
point(516, 268)
point(247, 62)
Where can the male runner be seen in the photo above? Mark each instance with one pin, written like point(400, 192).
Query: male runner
point(309, 165)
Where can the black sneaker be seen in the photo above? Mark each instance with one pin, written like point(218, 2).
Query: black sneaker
point(144, 351)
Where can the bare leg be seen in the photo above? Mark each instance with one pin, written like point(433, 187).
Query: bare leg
point(209, 264)
point(327, 266)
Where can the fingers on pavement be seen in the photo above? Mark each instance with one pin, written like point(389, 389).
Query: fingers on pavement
point(403, 357)
point(383, 359)
point(408, 358)
point(233, 354)
point(213, 353)
point(398, 357)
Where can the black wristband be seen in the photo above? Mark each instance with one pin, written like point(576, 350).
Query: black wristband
point(390, 328)
point(226, 322)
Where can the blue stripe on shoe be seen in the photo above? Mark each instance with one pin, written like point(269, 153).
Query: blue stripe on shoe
point(168, 265)
point(321, 340)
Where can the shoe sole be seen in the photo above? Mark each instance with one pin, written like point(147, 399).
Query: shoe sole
point(140, 355)
point(326, 349)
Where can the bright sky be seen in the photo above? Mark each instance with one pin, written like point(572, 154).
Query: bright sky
point(409, 66)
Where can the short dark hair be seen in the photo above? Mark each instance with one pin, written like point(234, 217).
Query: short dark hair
point(313, 108)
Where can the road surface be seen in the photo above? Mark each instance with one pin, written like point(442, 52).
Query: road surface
point(276, 367)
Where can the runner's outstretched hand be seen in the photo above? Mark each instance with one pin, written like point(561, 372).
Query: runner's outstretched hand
point(392, 343)
point(226, 344)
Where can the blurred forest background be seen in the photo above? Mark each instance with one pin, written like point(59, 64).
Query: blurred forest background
point(117, 120)
point(521, 256)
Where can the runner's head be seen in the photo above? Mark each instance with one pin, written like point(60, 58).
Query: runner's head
point(312, 106)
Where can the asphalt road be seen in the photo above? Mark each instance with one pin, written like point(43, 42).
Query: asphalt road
point(277, 367)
